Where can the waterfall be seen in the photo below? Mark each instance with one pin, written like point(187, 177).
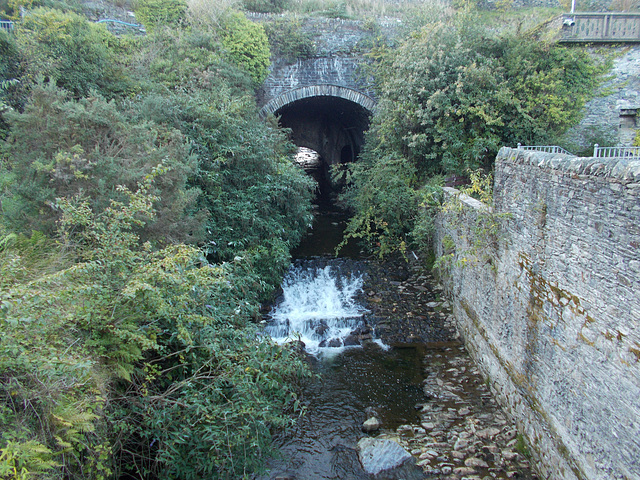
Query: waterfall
point(318, 306)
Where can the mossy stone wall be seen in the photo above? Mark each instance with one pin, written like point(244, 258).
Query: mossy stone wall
point(553, 319)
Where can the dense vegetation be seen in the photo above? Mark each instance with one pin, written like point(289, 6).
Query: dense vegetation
point(449, 96)
point(146, 213)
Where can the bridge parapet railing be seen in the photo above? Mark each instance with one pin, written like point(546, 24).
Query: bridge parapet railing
point(615, 152)
point(6, 25)
point(545, 148)
point(598, 151)
point(600, 27)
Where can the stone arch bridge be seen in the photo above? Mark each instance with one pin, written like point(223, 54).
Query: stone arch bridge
point(323, 100)
point(324, 105)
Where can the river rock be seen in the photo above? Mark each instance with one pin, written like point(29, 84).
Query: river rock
point(386, 459)
point(371, 425)
point(462, 471)
point(333, 343)
point(370, 412)
point(351, 340)
point(488, 433)
point(474, 462)
point(461, 444)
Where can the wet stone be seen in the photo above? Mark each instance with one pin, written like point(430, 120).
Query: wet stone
point(351, 340)
point(371, 425)
point(474, 462)
point(463, 433)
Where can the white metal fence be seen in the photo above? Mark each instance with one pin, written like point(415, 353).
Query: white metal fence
point(6, 25)
point(615, 152)
point(545, 148)
point(598, 151)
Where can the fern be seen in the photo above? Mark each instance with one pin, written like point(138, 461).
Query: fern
point(24, 460)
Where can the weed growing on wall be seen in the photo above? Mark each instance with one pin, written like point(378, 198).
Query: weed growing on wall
point(287, 40)
point(476, 228)
point(265, 6)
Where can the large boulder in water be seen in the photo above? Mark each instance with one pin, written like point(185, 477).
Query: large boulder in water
point(387, 460)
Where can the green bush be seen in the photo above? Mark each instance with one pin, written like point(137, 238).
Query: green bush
point(61, 147)
point(192, 59)
point(71, 51)
point(247, 46)
point(384, 202)
point(153, 13)
point(288, 41)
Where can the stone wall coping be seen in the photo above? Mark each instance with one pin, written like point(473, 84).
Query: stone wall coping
point(466, 199)
point(623, 170)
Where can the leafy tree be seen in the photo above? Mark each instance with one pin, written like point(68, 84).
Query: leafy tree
point(60, 147)
point(552, 84)
point(247, 46)
point(449, 96)
point(70, 51)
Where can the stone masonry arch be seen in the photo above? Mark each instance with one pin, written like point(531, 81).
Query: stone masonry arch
point(302, 93)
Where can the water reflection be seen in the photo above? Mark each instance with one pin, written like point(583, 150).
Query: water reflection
point(322, 445)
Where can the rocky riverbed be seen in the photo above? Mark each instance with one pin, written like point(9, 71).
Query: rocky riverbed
point(406, 304)
point(463, 432)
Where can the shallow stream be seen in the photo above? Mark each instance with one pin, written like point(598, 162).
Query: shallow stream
point(380, 338)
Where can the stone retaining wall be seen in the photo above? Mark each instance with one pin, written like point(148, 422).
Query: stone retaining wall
point(549, 306)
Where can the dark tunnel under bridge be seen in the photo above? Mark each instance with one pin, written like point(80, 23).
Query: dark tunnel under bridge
point(327, 119)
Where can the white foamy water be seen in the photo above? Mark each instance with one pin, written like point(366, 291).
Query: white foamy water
point(318, 307)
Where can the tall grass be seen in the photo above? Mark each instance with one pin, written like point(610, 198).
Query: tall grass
point(207, 12)
point(356, 9)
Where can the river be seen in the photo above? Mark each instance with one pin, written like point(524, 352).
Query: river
point(380, 338)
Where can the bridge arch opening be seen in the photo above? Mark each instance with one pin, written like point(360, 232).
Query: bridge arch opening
point(332, 126)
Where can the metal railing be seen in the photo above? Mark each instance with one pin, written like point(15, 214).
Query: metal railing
point(545, 148)
point(600, 27)
point(615, 152)
point(598, 151)
point(6, 25)
point(119, 22)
